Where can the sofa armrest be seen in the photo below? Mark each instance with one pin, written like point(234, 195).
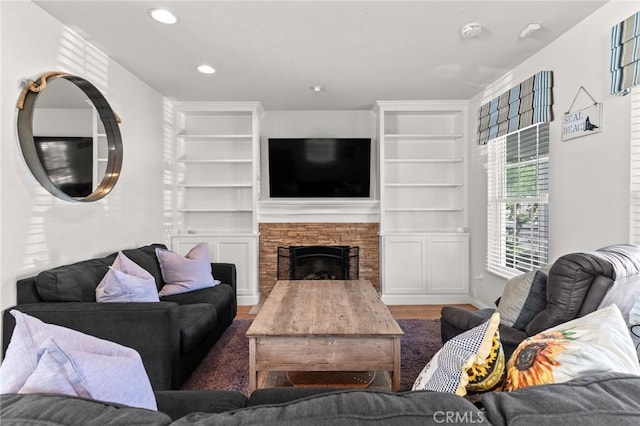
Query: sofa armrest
point(225, 272)
point(152, 329)
point(27, 292)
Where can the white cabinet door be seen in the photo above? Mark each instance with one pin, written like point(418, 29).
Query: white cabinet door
point(404, 265)
point(448, 264)
point(423, 269)
point(242, 251)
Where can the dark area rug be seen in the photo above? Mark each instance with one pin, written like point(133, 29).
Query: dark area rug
point(226, 366)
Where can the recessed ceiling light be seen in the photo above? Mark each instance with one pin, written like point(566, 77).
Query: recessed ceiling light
point(163, 16)
point(317, 88)
point(471, 30)
point(206, 69)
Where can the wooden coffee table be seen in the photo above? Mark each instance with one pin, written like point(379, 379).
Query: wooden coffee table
point(332, 325)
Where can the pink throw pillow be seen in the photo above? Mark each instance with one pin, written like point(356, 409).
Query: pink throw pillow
point(126, 281)
point(183, 274)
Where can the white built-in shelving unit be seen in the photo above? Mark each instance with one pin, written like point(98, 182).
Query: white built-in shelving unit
point(100, 150)
point(423, 199)
point(215, 185)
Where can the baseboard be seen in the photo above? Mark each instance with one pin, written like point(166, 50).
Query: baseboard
point(423, 299)
point(248, 300)
point(480, 304)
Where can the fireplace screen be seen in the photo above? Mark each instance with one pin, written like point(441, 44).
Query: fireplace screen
point(318, 263)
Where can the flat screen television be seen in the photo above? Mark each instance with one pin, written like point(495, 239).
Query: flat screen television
point(319, 167)
point(68, 161)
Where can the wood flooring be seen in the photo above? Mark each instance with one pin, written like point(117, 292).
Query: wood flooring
point(398, 311)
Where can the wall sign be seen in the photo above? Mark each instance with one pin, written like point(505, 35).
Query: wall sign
point(582, 122)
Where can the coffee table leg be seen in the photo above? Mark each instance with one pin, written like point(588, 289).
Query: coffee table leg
point(253, 374)
point(395, 380)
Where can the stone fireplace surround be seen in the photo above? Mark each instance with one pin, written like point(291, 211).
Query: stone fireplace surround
point(272, 235)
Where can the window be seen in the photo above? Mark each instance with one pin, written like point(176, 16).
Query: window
point(518, 203)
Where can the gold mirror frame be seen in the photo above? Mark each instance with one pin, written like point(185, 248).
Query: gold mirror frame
point(26, 107)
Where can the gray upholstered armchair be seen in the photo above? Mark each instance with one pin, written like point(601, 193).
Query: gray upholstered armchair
point(577, 284)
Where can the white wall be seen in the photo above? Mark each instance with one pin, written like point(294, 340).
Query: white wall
point(39, 231)
point(589, 176)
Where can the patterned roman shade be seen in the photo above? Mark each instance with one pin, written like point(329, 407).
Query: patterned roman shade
point(523, 105)
point(625, 55)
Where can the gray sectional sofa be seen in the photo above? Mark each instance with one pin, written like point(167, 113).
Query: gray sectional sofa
point(603, 399)
point(172, 336)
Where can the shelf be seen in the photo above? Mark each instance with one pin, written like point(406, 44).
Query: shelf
point(446, 137)
point(215, 185)
point(213, 138)
point(234, 161)
point(425, 209)
point(418, 185)
point(423, 160)
point(202, 210)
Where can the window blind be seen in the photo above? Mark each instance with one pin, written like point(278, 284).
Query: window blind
point(625, 55)
point(527, 103)
point(518, 203)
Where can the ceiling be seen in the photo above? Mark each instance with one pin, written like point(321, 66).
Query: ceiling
point(358, 51)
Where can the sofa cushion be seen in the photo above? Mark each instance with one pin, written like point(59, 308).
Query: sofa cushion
point(597, 343)
point(76, 282)
point(222, 297)
point(350, 408)
point(599, 399)
point(196, 321)
point(179, 403)
point(51, 410)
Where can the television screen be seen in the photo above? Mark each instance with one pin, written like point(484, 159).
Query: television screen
point(319, 167)
point(68, 161)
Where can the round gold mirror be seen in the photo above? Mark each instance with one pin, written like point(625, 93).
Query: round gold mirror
point(70, 137)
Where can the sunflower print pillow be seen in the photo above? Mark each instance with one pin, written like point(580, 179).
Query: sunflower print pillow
point(489, 374)
point(596, 343)
point(447, 371)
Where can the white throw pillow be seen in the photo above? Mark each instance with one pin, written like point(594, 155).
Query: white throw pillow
point(126, 281)
point(93, 367)
point(596, 343)
point(183, 274)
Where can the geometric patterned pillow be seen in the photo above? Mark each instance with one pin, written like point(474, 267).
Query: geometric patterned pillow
point(447, 371)
point(489, 375)
point(596, 343)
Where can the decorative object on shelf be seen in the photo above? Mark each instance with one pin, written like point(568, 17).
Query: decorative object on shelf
point(582, 122)
point(90, 137)
point(527, 103)
point(625, 55)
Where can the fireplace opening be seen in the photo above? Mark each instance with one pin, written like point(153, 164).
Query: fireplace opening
point(318, 263)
